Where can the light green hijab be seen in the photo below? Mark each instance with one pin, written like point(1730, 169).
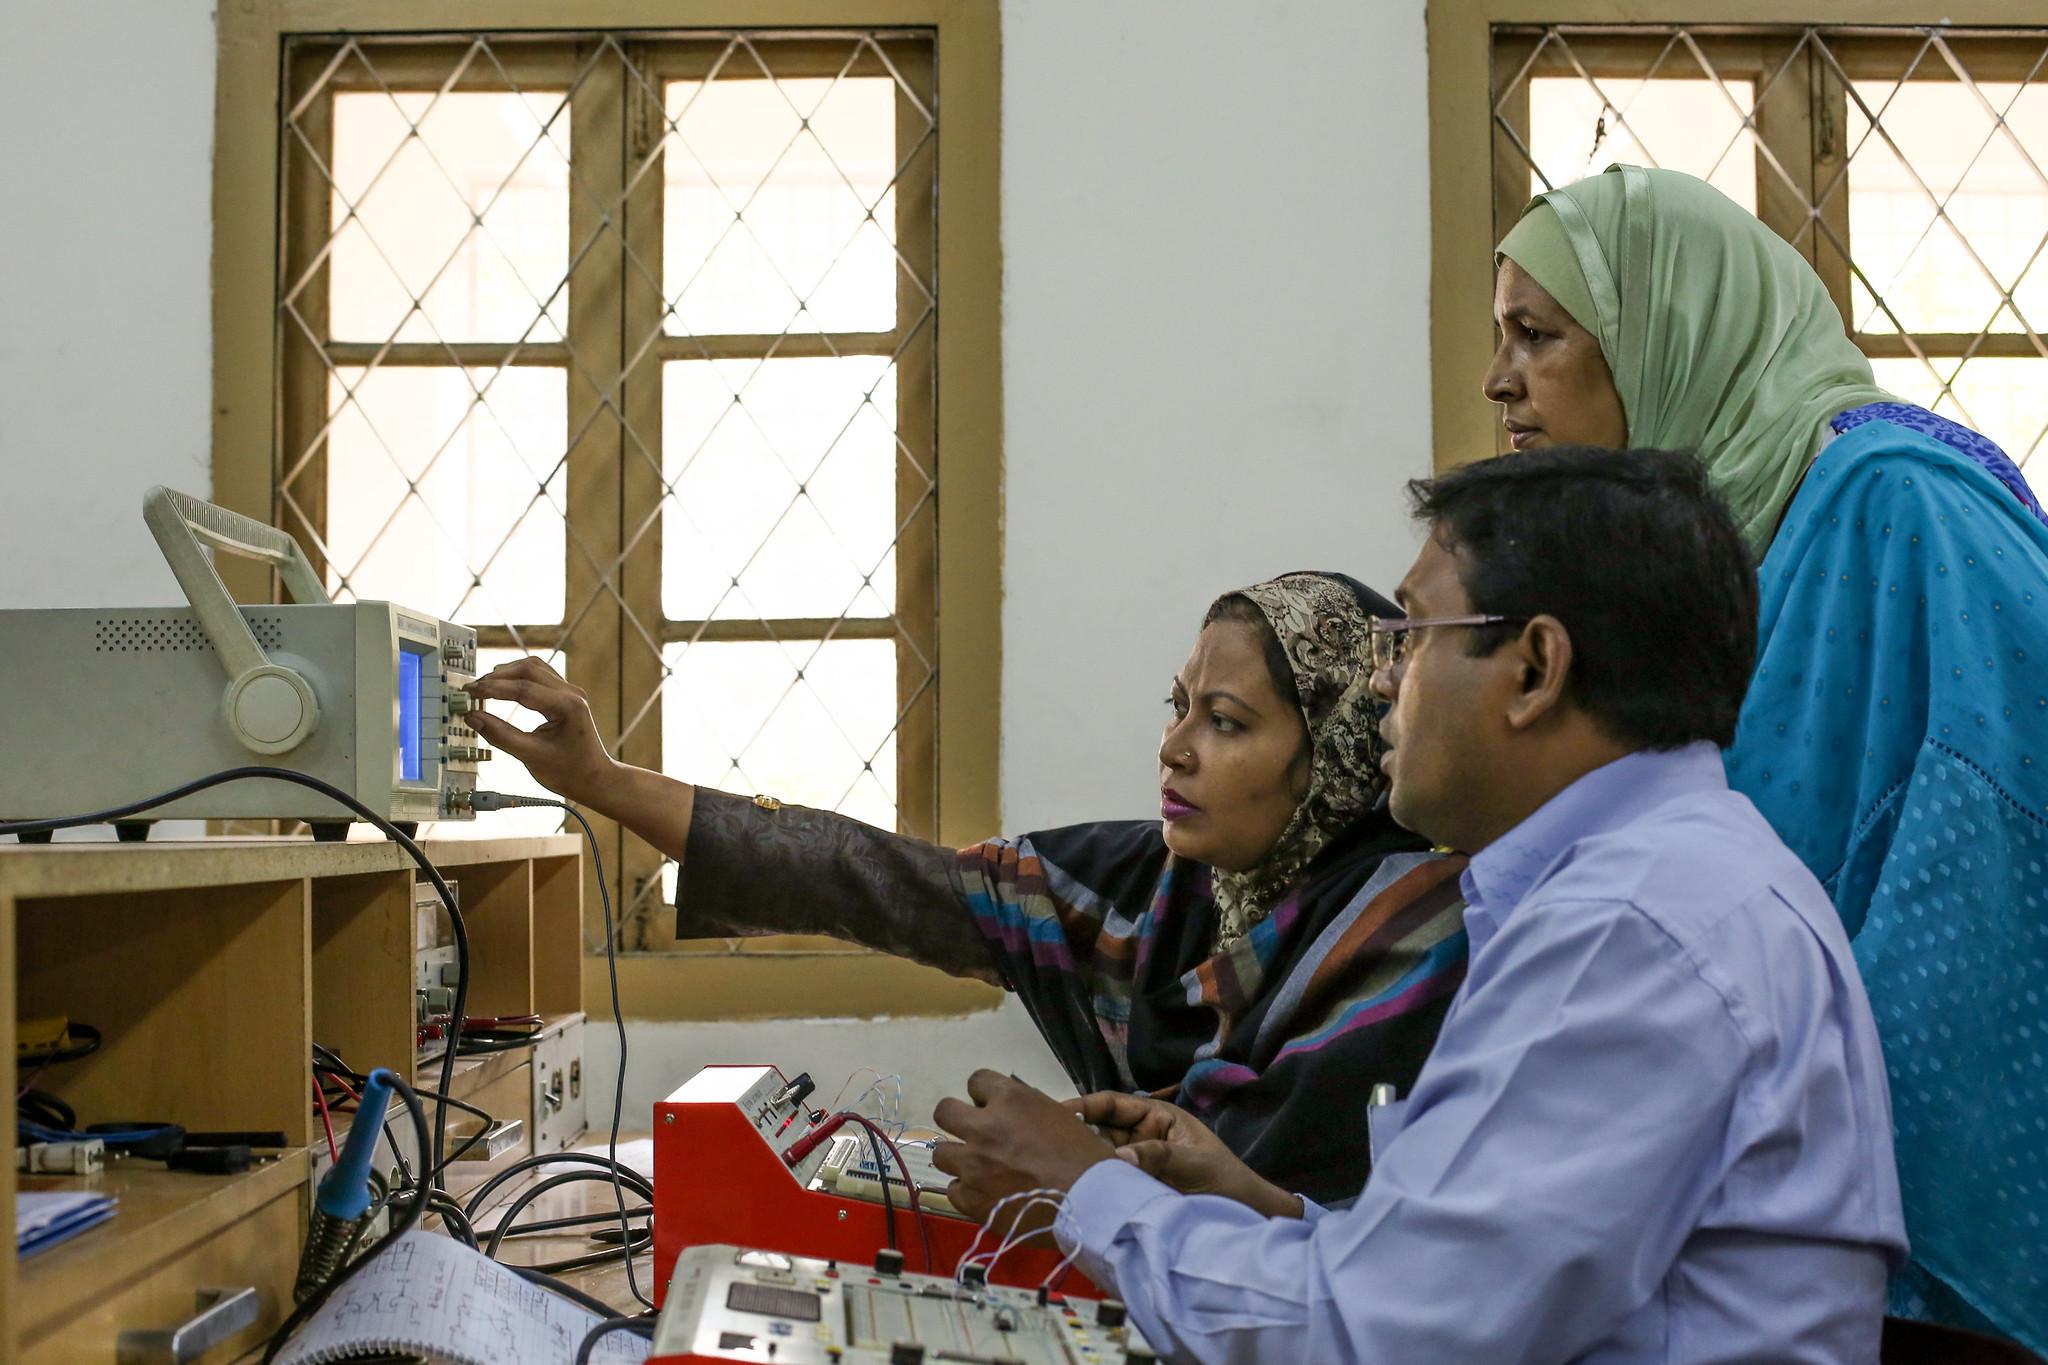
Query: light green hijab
point(1720, 337)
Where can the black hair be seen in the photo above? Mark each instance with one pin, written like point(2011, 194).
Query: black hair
point(1636, 555)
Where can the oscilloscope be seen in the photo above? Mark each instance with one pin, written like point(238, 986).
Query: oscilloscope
point(101, 707)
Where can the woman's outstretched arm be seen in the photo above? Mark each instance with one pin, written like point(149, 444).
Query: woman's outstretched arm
point(748, 867)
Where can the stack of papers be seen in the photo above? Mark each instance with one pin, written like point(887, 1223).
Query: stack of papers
point(43, 1220)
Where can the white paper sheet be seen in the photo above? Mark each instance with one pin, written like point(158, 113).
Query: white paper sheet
point(39, 1214)
point(433, 1296)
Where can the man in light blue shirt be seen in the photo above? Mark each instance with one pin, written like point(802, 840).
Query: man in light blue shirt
point(1655, 1126)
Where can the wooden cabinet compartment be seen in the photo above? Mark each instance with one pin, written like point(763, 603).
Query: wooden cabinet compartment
point(200, 995)
point(182, 1233)
point(210, 968)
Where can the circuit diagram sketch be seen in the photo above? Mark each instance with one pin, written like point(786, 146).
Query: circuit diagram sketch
point(433, 1296)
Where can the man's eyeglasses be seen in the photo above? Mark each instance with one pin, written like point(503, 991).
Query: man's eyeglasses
point(1388, 640)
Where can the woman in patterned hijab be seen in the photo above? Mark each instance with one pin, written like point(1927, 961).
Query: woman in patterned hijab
point(1315, 625)
point(1263, 954)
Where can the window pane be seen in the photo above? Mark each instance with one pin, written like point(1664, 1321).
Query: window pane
point(799, 720)
point(779, 215)
point(416, 235)
point(2006, 399)
point(810, 745)
point(784, 477)
point(1680, 124)
point(444, 501)
point(1940, 144)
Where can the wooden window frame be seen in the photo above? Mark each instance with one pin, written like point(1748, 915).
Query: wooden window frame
point(1474, 197)
point(957, 742)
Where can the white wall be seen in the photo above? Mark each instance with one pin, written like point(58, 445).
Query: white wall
point(106, 242)
point(934, 1056)
point(1215, 346)
point(1215, 361)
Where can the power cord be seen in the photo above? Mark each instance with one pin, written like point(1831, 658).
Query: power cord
point(363, 812)
point(409, 1205)
point(77, 1041)
point(638, 1326)
point(328, 1063)
point(879, 1139)
point(404, 1220)
point(489, 801)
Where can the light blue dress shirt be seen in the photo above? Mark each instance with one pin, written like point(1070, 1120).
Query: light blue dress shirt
point(1655, 1127)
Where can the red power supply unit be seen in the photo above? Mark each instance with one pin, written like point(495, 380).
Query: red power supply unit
point(720, 1177)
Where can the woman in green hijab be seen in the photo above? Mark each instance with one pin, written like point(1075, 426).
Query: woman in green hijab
point(1896, 727)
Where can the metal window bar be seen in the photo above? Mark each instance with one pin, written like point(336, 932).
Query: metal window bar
point(1839, 57)
point(611, 616)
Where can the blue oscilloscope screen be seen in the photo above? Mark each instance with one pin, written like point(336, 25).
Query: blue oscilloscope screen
point(408, 716)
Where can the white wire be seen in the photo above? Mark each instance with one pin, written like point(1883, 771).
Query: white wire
point(987, 1259)
point(1016, 1238)
point(1045, 1195)
point(888, 1102)
point(887, 1088)
point(857, 1074)
point(989, 1222)
point(1066, 1263)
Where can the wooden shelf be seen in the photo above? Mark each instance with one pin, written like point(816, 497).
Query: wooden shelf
point(161, 1215)
point(81, 868)
point(210, 968)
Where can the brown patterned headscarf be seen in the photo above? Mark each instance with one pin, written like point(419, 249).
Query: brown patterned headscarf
point(1320, 621)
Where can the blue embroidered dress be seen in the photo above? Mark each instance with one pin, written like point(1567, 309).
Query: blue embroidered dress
point(1896, 735)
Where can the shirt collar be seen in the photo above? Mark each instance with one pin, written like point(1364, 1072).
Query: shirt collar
point(1503, 873)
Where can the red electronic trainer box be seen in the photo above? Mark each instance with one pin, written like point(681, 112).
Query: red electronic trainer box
point(737, 1160)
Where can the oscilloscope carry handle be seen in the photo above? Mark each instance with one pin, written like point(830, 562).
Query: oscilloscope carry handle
point(269, 707)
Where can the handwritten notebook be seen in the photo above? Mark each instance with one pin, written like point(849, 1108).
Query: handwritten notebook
point(432, 1296)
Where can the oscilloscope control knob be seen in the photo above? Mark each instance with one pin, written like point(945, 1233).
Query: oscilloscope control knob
point(888, 1262)
point(459, 701)
point(1109, 1313)
point(468, 753)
